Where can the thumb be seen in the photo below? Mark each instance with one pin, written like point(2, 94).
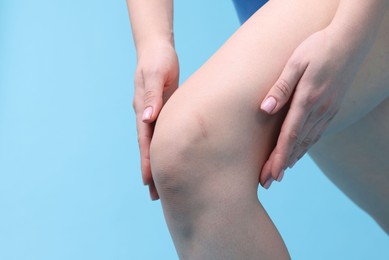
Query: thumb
point(152, 98)
point(282, 90)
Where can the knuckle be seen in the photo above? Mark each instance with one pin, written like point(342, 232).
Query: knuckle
point(294, 62)
point(134, 104)
point(149, 96)
point(283, 88)
point(293, 136)
point(311, 100)
point(306, 142)
point(153, 71)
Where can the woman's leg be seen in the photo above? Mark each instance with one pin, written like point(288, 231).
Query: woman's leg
point(353, 151)
point(211, 139)
point(356, 160)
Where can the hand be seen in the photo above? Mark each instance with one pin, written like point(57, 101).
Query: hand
point(319, 72)
point(156, 79)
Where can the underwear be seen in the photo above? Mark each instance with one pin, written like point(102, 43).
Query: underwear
point(246, 8)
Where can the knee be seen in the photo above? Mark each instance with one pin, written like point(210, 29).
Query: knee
point(177, 145)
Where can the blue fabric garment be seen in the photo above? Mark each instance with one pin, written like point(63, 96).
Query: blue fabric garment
point(245, 8)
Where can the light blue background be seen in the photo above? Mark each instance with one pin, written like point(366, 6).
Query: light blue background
point(70, 181)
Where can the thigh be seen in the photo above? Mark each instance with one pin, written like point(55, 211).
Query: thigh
point(357, 161)
point(223, 97)
point(370, 86)
point(353, 151)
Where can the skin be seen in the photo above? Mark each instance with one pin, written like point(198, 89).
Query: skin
point(156, 78)
point(157, 72)
point(316, 78)
point(240, 137)
point(157, 66)
point(356, 161)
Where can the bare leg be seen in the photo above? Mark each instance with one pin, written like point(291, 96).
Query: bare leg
point(211, 139)
point(353, 152)
point(356, 160)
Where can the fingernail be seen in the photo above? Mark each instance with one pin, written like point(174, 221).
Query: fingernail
point(147, 113)
point(268, 183)
point(269, 104)
point(153, 197)
point(153, 194)
point(280, 176)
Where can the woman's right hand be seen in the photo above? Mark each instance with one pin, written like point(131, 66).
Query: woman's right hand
point(156, 79)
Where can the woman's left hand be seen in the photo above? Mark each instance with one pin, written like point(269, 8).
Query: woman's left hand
point(319, 72)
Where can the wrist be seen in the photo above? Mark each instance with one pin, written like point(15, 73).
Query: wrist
point(345, 36)
point(161, 45)
point(151, 21)
point(347, 45)
point(155, 41)
point(357, 22)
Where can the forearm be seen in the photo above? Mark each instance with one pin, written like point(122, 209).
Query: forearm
point(151, 20)
point(356, 22)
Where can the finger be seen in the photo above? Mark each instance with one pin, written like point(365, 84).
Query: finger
point(265, 176)
point(313, 137)
point(154, 85)
point(153, 191)
point(145, 132)
point(304, 139)
point(282, 90)
point(289, 134)
point(320, 111)
point(169, 90)
point(323, 113)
